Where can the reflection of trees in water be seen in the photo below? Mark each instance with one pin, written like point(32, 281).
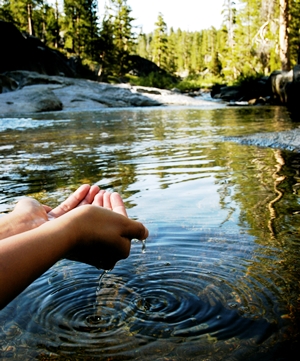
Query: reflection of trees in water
point(278, 179)
point(264, 183)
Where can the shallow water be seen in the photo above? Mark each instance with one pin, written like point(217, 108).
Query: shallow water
point(220, 276)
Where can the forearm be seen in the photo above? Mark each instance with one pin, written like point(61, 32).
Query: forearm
point(24, 257)
point(90, 234)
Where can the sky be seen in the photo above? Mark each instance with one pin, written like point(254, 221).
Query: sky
point(190, 15)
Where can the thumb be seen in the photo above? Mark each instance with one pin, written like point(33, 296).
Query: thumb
point(137, 230)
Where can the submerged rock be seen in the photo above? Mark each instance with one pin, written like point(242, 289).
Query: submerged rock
point(289, 140)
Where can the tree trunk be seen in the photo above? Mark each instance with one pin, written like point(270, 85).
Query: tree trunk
point(283, 35)
point(30, 22)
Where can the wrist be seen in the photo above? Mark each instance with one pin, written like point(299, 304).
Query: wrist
point(62, 230)
point(11, 224)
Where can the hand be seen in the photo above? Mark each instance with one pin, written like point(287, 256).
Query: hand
point(104, 232)
point(29, 213)
point(85, 194)
point(98, 233)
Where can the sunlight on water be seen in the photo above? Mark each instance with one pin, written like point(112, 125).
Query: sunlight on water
point(218, 277)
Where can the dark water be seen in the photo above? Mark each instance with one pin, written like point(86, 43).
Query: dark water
point(220, 276)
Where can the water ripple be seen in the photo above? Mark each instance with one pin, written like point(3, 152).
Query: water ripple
point(214, 284)
point(170, 298)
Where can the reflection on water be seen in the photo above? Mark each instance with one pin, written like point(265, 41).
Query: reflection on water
point(219, 278)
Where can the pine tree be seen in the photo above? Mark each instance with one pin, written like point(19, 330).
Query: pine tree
point(160, 43)
point(215, 64)
point(294, 35)
point(171, 53)
point(107, 54)
point(81, 28)
point(46, 24)
point(185, 46)
point(196, 59)
point(283, 34)
point(20, 12)
point(229, 13)
point(141, 46)
point(123, 37)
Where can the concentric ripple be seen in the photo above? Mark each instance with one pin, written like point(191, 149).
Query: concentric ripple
point(165, 301)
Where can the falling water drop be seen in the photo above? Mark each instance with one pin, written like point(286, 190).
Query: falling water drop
point(100, 281)
point(143, 246)
point(95, 318)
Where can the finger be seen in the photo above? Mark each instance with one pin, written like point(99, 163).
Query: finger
point(98, 199)
point(117, 204)
point(106, 200)
point(137, 231)
point(47, 208)
point(72, 202)
point(89, 198)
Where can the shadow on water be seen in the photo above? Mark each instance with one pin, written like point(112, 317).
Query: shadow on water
point(219, 278)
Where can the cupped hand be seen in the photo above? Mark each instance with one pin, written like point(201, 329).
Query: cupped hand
point(29, 213)
point(104, 234)
point(85, 194)
point(104, 231)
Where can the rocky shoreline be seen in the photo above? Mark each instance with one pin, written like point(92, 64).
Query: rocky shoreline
point(24, 92)
point(30, 92)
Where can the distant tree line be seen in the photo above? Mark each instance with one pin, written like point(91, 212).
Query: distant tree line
point(257, 36)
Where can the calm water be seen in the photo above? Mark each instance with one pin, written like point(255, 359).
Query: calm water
point(220, 276)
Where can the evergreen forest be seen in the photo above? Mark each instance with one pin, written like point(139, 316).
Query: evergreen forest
point(256, 38)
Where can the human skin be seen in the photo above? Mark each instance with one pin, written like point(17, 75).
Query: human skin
point(29, 213)
point(91, 226)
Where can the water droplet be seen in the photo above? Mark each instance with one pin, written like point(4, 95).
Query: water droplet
point(143, 246)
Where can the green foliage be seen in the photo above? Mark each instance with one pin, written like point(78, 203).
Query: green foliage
point(160, 43)
point(248, 80)
point(246, 45)
point(196, 82)
point(294, 30)
point(182, 52)
point(6, 13)
point(81, 29)
point(155, 80)
point(117, 38)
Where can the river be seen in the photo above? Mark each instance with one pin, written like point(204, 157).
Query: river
point(219, 276)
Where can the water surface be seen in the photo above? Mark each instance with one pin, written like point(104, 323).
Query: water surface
point(220, 276)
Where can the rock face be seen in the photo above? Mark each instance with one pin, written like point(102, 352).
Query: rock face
point(251, 92)
point(37, 98)
point(293, 93)
point(286, 90)
point(32, 92)
point(281, 88)
point(23, 52)
point(278, 82)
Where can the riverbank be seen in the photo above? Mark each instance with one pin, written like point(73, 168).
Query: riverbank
point(30, 92)
point(26, 92)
